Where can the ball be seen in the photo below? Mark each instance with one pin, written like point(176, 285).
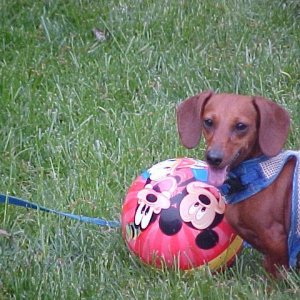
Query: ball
point(172, 217)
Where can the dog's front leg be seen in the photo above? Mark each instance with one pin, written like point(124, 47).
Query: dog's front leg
point(273, 265)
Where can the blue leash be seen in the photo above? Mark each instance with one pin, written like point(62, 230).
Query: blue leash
point(24, 203)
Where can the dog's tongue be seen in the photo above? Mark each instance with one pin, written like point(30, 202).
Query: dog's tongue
point(216, 177)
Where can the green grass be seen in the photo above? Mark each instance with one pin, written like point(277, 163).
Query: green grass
point(80, 119)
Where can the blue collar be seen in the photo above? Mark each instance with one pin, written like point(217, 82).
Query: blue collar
point(249, 178)
point(254, 175)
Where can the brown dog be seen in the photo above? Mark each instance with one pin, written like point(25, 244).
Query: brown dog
point(238, 128)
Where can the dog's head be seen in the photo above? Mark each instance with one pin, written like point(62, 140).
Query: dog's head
point(235, 128)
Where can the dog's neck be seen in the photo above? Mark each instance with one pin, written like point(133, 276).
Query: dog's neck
point(252, 175)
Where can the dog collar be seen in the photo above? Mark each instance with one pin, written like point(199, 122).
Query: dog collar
point(252, 176)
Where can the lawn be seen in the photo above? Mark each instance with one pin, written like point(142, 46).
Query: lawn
point(81, 118)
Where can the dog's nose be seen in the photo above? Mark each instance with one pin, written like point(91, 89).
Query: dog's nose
point(214, 157)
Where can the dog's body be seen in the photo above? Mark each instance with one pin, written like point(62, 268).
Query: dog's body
point(238, 128)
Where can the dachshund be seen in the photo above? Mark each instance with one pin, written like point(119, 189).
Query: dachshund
point(243, 135)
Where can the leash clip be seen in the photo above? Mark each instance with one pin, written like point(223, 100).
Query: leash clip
point(232, 185)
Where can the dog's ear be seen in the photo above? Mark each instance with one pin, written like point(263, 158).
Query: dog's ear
point(188, 119)
point(274, 123)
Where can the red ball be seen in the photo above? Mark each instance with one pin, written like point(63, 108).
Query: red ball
point(171, 216)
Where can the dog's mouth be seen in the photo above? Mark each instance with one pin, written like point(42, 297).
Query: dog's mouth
point(217, 176)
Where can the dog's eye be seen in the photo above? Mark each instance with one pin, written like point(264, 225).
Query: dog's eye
point(208, 123)
point(241, 127)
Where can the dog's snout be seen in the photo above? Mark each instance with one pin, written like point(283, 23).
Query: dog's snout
point(214, 157)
